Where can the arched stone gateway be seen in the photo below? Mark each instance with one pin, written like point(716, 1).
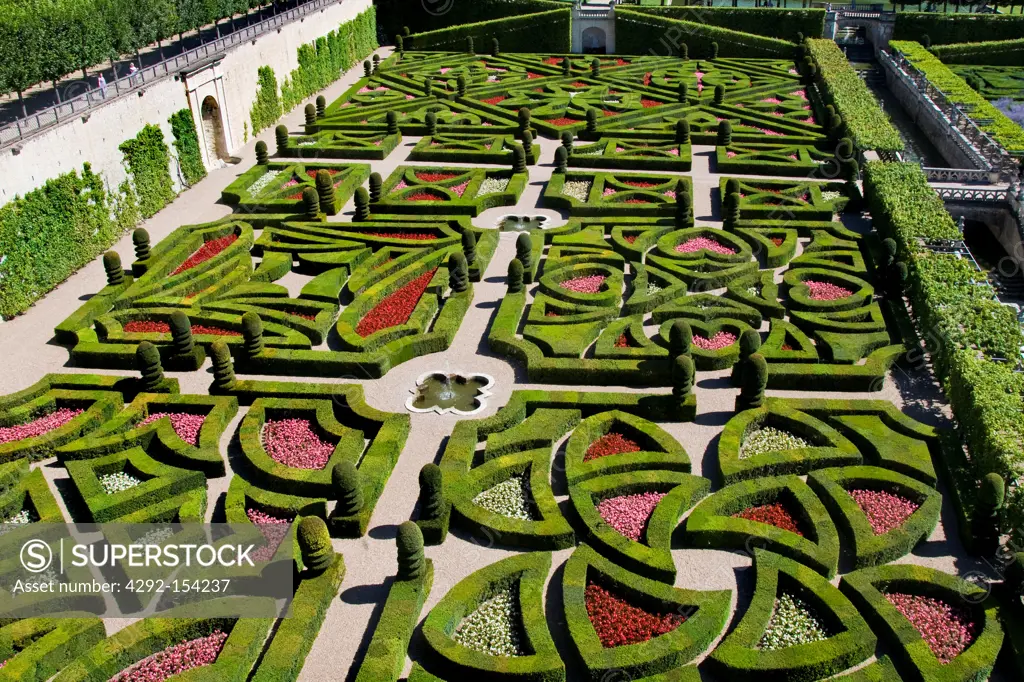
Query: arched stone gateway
point(213, 130)
point(595, 41)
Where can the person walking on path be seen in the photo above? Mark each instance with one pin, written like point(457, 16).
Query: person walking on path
point(101, 82)
point(132, 70)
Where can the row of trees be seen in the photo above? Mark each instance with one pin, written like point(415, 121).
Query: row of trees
point(45, 40)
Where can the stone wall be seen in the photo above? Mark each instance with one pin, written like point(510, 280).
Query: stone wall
point(231, 81)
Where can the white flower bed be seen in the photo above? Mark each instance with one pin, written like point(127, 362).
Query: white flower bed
point(792, 623)
point(117, 483)
point(492, 186)
point(770, 439)
point(831, 196)
point(21, 518)
point(754, 291)
point(577, 189)
point(652, 289)
point(509, 498)
point(493, 627)
point(262, 181)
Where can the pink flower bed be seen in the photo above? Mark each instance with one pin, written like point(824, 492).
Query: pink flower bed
point(186, 425)
point(628, 514)
point(175, 659)
point(38, 427)
point(946, 630)
point(293, 443)
point(826, 291)
point(772, 100)
point(272, 528)
point(591, 284)
point(608, 191)
point(716, 342)
point(699, 243)
point(460, 188)
point(884, 510)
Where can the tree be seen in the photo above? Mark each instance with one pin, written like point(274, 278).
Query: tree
point(20, 36)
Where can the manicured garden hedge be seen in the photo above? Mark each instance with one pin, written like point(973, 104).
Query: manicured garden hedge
point(777, 22)
point(385, 655)
point(957, 27)
point(34, 649)
point(989, 118)
point(541, 32)
point(993, 52)
point(392, 15)
point(863, 119)
point(634, 31)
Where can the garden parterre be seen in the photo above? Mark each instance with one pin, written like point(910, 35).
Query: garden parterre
point(600, 473)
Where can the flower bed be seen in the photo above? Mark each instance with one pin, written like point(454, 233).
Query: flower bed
point(396, 308)
point(611, 443)
point(425, 196)
point(621, 342)
point(493, 628)
point(792, 623)
point(272, 528)
point(118, 482)
point(717, 342)
point(699, 243)
point(25, 516)
point(293, 443)
point(774, 514)
point(617, 622)
point(412, 236)
point(629, 514)
point(770, 439)
point(157, 327)
point(826, 291)
point(577, 189)
point(436, 177)
point(562, 121)
point(186, 425)
point(591, 284)
point(509, 498)
point(946, 630)
point(38, 426)
point(175, 659)
point(206, 252)
point(884, 510)
point(494, 100)
point(492, 186)
point(262, 181)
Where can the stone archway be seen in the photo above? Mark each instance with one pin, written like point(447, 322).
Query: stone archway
point(595, 40)
point(213, 130)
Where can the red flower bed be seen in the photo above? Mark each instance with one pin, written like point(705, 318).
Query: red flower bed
point(718, 341)
point(293, 443)
point(650, 103)
point(494, 100)
point(774, 514)
point(884, 510)
point(551, 314)
point(296, 313)
point(622, 341)
point(621, 62)
point(826, 291)
point(563, 121)
point(946, 630)
point(436, 177)
point(611, 443)
point(628, 514)
point(330, 171)
point(554, 61)
point(787, 346)
point(175, 659)
point(635, 201)
point(617, 622)
point(424, 196)
point(606, 112)
point(640, 184)
point(39, 426)
point(396, 308)
point(630, 238)
point(157, 327)
point(206, 252)
point(777, 241)
point(185, 424)
point(580, 84)
point(531, 75)
point(647, 79)
point(413, 236)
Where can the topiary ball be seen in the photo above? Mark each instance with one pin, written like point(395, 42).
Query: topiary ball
point(431, 492)
point(750, 343)
point(992, 492)
point(140, 239)
point(680, 338)
point(315, 544)
point(412, 564)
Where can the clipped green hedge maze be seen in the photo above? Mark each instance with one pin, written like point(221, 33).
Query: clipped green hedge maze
point(568, 509)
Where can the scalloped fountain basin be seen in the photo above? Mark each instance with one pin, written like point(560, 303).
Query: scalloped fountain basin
point(455, 393)
point(522, 223)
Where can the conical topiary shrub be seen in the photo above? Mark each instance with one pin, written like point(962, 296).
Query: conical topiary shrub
point(524, 254)
point(431, 492)
point(412, 565)
point(458, 273)
point(147, 361)
point(325, 192)
point(182, 342)
point(469, 246)
point(515, 276)
point(112, 266)
point(345, 481)
point(682, 376)
point(252, 334)
point(311, 203)
point(680, 338)
point(223, 370)
point(362, 199)
point(315, 544)
point(140, 240)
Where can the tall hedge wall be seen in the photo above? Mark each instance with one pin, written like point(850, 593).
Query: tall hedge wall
point(638, 32)
point(541, 32)
point(991, 53)
point(958, 28)
point(773, 22)
point(420, 16)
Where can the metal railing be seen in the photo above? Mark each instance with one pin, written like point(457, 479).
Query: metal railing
point(960, 175)
point(92, 99)
point(973, 194)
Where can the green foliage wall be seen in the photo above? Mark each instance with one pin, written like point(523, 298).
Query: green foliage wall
point(147, 160)
point(321, 63)
point(641, 33)
point(48, 234)
point(991, 53)
point(774, 22)
point(394, 14)
point(267, 107)
point(186, 143)
point(541, 32)
point(958, 28)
